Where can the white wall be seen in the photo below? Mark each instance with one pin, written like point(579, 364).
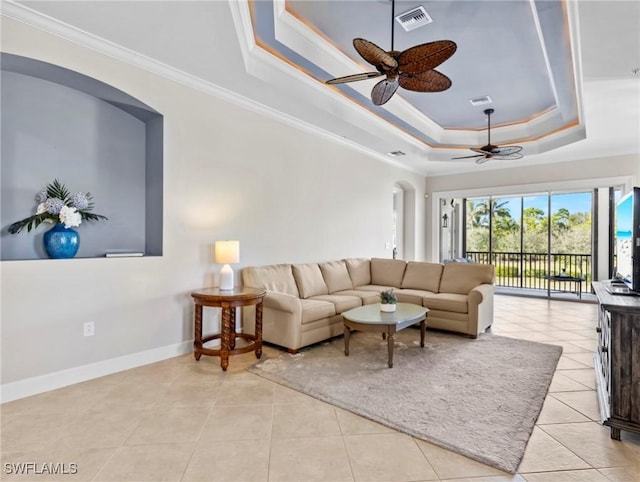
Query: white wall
point(586, 173)
point(230, 173)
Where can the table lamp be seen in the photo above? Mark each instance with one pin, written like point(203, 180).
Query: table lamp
point(227, 252)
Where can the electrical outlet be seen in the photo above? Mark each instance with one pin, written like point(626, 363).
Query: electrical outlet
point(387, 245)
point(89, 328)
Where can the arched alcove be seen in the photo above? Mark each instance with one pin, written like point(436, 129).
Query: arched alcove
point(60, 124)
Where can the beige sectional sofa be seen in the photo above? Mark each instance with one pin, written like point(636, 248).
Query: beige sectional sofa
point(304, 301)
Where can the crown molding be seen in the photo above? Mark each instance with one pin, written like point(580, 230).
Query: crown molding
point(53, 26)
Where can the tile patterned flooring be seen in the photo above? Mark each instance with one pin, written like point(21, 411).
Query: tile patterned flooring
point(182, 420)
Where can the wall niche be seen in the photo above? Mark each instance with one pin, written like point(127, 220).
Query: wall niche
point(60, 124)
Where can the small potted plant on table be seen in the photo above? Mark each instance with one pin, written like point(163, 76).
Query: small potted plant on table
point(388, 300)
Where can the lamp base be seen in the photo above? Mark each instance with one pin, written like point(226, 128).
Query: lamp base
point(226, 278)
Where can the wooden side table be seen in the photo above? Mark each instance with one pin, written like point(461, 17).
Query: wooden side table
point(228, 301)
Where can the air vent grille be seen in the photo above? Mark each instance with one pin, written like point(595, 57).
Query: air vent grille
point(414, 18)
point(484, 100)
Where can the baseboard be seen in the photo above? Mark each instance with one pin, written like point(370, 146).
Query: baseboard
point(51, 381)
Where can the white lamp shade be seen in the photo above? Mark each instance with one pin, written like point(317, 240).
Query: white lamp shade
point(227, 252)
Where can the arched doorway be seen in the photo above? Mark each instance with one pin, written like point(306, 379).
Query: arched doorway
point(403, 229)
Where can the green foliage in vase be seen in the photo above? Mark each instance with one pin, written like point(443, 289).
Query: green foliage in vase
point(56, 204)
point(388, 297)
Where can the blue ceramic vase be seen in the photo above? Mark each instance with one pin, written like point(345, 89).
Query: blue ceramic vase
point(61, 242)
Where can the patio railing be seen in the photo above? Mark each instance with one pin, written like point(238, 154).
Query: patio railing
point(532, 270)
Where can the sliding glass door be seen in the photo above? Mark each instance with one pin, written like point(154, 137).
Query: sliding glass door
point(532, 240)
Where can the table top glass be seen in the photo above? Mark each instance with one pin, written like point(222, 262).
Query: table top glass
point(372, 314)
point(235, 293)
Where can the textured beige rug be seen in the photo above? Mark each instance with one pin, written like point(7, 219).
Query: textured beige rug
point(479, 398)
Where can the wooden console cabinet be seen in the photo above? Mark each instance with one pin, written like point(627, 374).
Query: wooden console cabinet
point(617, 360)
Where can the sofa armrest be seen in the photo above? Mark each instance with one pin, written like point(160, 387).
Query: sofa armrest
point(281, 319)
point(282, 302)
point(481, 308)
point(478, 294)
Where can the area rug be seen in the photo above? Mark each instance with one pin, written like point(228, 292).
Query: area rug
point(479, 398)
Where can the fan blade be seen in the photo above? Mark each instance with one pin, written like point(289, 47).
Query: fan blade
point(483, 159)
point(384, 90)
point(354, 77)
point(467, 157)
point(374, 55)
point(507, 150)
point(429, 81)
point(502, 153)
point(484, 149)
point(425, 57)
point(508, 157)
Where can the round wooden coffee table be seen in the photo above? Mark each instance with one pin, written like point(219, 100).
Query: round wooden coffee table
point(370, 318)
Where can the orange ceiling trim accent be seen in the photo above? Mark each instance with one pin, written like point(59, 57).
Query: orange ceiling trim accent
point(522, 139)
point(504, 124)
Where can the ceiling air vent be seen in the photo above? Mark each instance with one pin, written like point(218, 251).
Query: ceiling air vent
point(484, 100)
point(414, 18)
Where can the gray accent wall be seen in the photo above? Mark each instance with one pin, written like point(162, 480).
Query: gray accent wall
point(153, 183)
point(107, 145)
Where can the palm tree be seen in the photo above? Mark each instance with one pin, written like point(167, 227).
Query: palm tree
point(482, 212)
point(475, 213)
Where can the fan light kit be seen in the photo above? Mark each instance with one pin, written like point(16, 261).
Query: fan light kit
point(488, 152)
point(412, 69)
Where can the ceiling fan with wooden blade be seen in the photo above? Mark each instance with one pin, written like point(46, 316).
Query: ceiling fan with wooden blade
point(411, 69)
point(488, 152)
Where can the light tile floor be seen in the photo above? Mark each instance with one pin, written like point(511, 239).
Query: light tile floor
point(182, 420)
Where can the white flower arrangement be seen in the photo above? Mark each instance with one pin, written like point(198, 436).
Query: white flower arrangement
point(57, 205)
point(70, 217)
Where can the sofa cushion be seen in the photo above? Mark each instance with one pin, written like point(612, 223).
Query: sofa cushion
point(446, 302)
point(461, 278)
point(342, 303)
point(375, 288)
point(367, 297)
point(275, 277)
point(387, 272)
point(313, 310)
point(359, 271)
point(336, 276)
point(422, 276)
point(309, 280)
point(411, 296)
